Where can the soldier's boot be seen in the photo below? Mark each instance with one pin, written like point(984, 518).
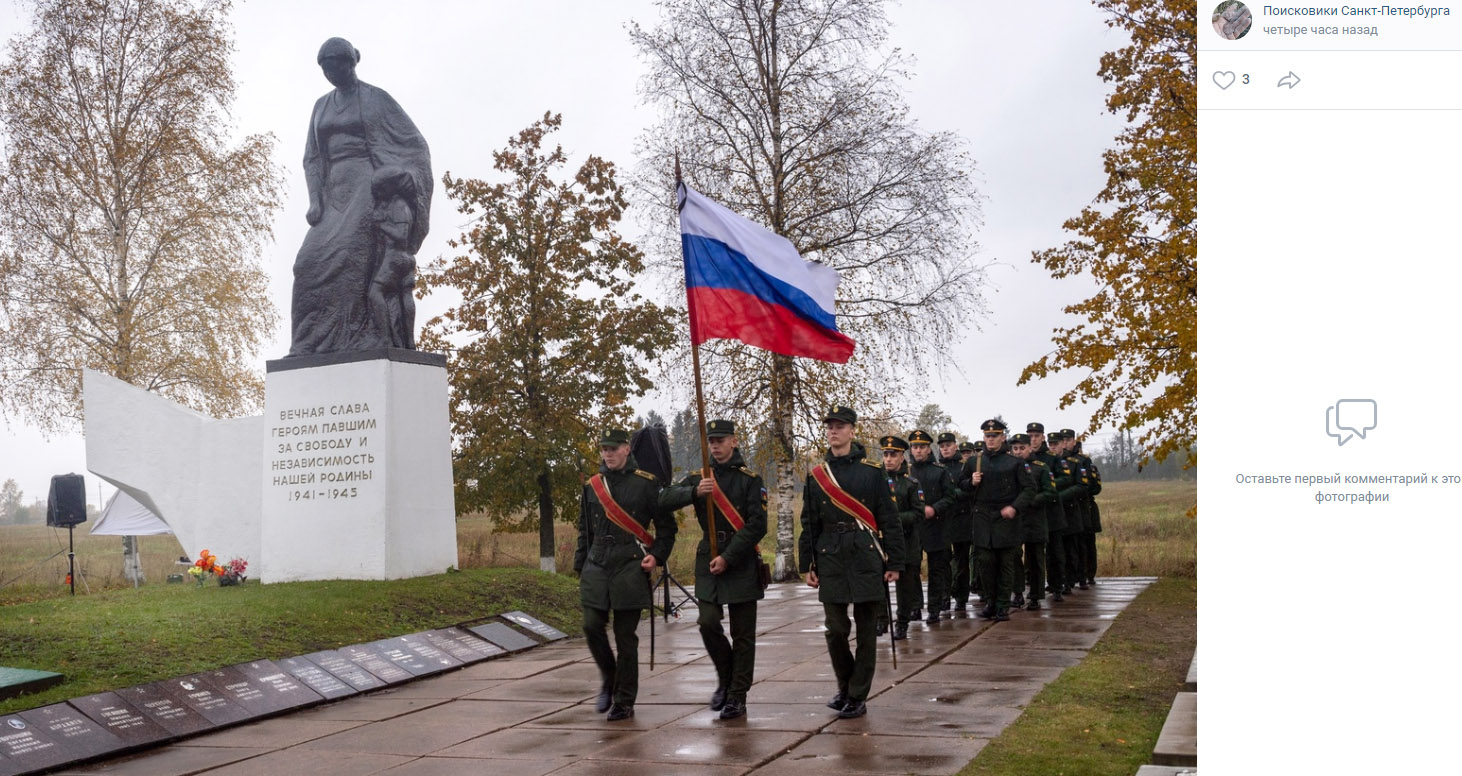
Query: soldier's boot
point(606, 692)
point(839, 701)
point(1018, 601)
point(735, 707)
point(618, 712)
point(900, 631)
point(718, 698)
point(1033, 605)
point(882, 627)
point(1056, 596)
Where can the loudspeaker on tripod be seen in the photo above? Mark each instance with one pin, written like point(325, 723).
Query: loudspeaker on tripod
point(66, 505)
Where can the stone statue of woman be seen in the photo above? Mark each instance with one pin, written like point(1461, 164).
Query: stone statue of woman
point(354, 274)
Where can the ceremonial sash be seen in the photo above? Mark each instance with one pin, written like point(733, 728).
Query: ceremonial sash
point(723, 504)
point(616, 513)
point(842, 499)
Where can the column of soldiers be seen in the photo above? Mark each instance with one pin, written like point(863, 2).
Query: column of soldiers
point(1008, 520)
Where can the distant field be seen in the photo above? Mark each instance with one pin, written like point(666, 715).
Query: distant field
point(1147, 532)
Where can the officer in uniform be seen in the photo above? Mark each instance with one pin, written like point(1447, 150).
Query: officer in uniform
point(941, 500)
point(1055, 515)
point(1073, 503)
point(614, 562)
point(848, 560)
point(1093, 515)
point(1033, 524)
point(729, 579)
point(909, 503)
point(967, 449)
point(957, 526)
point(1003, 489)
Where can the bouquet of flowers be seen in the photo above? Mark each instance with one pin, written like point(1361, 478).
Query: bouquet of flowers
point(206, 564)
point(233, 573)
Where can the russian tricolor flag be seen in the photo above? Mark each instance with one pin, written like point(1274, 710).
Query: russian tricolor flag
point(745, 283)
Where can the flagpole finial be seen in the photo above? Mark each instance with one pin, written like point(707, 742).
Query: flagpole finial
point(677, 168)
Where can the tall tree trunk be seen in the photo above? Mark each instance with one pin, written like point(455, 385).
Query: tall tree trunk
point(546, 549)
point(785, 568)
point(131, 561)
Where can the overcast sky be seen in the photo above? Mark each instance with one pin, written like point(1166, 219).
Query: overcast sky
point(1017, 80)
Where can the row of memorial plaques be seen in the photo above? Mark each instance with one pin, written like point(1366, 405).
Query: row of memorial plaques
point(110, 722)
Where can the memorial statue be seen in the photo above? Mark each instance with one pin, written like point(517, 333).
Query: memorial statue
point(369, 176)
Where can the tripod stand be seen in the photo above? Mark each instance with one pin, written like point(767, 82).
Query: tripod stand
point(664, 582)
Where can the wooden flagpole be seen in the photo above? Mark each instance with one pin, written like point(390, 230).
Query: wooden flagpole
point(700, 406)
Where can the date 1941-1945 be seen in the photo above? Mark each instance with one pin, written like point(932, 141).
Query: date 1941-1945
point(331, 493)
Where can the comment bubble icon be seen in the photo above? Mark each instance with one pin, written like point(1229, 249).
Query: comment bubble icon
point(1350, 418)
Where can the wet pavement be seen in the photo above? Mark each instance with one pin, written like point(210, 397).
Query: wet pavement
point(957, 685)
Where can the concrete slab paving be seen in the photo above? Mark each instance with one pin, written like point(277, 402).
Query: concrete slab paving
point(959, 683)
point(1166, 770)
point(1177, 744)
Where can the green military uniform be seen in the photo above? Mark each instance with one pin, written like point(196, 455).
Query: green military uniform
point(1055, 519)
point(845, 556)
point(607, 561)
point(1093, 517)
point(737, 588)
point(1074, 498)
point(1034, 529)
point(957, 527)
point(936, 533)
point(908, 500)
point(1006, 483)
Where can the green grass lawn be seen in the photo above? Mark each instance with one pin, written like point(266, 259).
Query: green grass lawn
point(121, 638)
point(1102, 716)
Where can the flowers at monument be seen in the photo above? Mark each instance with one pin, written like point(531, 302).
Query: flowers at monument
point(233, 572)
point(206, 564)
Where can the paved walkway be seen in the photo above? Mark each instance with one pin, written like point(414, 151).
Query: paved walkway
point(958, 684)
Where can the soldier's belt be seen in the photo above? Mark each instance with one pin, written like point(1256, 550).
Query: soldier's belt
point(614, 539)
point(841, 527)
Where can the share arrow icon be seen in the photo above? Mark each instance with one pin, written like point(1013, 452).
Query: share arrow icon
point(1290, 80)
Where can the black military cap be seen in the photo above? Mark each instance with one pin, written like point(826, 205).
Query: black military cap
point(1035, 428)
point(992, 425)
point(967, 447)
point(1020, 439)
point(947, 436)
point(920, 437)
point(613, 437)
point(1067, 433)
point(1055, 436)
point(979, 445)
point(845, 414)
point(893, 443)
point(720, 428)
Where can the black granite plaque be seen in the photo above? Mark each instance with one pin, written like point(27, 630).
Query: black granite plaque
point(77, 736)
point(463, 645)
point(121, 719)
point(370, 657)
point(161, 705)
point(535, 625)
point(429, 652)
point(24, 746)
point(402, 656)
point(346, 671)
point(278, 684)
point(242, 690)
point(316, 678)
point(206, 698)
point(504, 636)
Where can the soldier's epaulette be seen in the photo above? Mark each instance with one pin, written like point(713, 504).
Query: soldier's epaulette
point(647, 475)
point(747, 471)
point(1037, 462)
point(867, 462)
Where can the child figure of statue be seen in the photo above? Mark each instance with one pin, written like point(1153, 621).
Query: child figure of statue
point(390, 295)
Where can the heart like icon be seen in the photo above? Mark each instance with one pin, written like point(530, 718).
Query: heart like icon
point(1224, 78)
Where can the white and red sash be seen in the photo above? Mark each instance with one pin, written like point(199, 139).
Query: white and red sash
point(842, 499)
point(616, 513)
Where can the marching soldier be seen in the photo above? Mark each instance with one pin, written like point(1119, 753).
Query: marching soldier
point(730, 578)
point(1003, 489)
point(1055, 516)
point(1093, 516)
point(909, 504)
point(1073, 503)
point(615, 556)
point(851, 547)
point(957, 528)
point(941, 500)
point(1033, 524)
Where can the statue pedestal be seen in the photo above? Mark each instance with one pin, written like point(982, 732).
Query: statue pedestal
point(357, 467)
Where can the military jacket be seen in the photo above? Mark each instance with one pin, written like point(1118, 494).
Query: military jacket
point(1055, 515)
point(744, 489)
point(958, 524)
point(608, 557)
point(1093, 513)
point(1006, 482)
point(1034, 525)
point(1074, 496)
point(939, 492)
point(845, 557)
point(908, 499)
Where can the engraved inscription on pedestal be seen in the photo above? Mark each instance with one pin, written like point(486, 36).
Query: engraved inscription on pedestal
point(535, 625)
point(77, 736)
point(278, 684)
point(463, 645)
point(203, 697)
point(120, 718)
point(346, 671)
point(504, 636)
point(316, 678)
point(322, 453)
point(162, 707)
point(369, 657)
